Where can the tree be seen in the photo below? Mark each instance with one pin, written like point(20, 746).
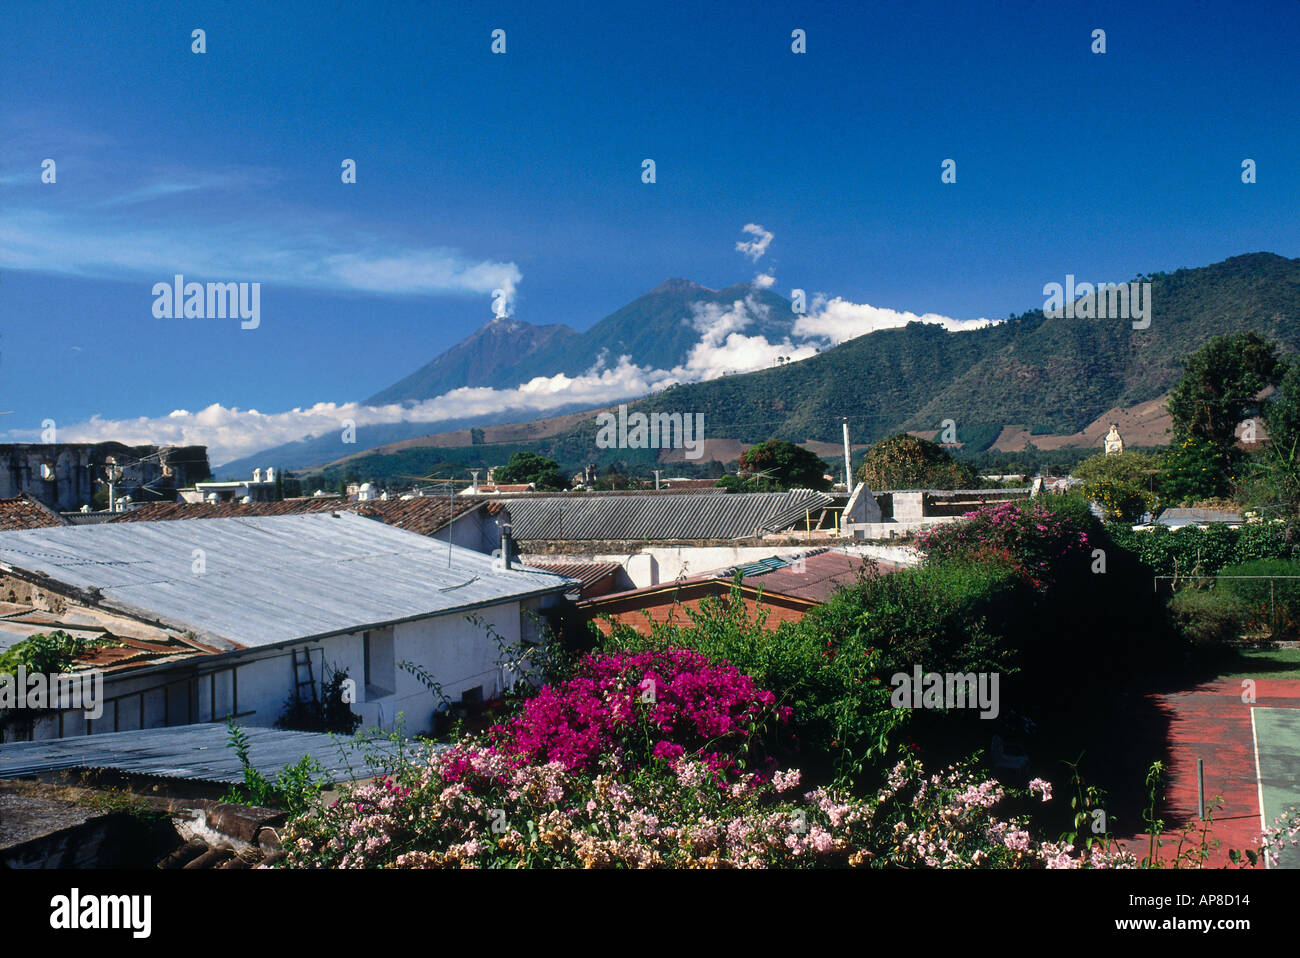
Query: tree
point(1275, 471)
point(747, 484)
point(785, 465)
point(1191, 470)
point(1220, 383)
point(1123, 484)
point(530, 467)
point(907, 462)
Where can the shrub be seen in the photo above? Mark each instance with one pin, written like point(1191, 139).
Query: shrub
point(955, 616)
point(1207, 616)
point(1089, 602)
point(46, 652)
point(1119, 500)
point(1265, 540)
point(1193, 469)
point(649, 705)
point(296, 789)
point(833, 668)
point(1045, 538)
point(1120, 484)
point(901, 461)
point(829, 679)
point(672, 815)
point(1192, 550)
point(1271, 601)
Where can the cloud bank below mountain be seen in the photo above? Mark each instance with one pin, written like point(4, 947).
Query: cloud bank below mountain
point(724, 347)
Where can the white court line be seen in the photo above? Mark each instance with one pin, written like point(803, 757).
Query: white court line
point(1259, 781)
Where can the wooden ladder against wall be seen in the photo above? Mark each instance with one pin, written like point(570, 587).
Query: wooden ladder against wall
point(299, 664)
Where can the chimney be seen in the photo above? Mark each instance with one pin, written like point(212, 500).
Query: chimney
point(507, 547)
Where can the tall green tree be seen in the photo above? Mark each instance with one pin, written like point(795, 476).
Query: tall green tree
point(1277, 465)
point(1220, 383)
point(1123, 484)
point(908, 462)
point(530, 467)
point(784, 465)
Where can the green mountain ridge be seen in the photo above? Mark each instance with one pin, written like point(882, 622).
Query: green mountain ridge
point(1053, 375)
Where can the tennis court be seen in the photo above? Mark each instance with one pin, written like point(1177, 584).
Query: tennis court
point(1251, 756)
point(1277, 763)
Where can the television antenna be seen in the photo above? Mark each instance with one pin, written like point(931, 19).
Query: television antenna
point(755, 476)
point(439, 482)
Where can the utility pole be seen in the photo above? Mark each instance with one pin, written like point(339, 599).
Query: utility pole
point(848, 466)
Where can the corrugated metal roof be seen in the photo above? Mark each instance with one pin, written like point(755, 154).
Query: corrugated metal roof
point(762, 566)
point(269, 579)
point(196, 752)
point(1174, 518)
point(659, 517)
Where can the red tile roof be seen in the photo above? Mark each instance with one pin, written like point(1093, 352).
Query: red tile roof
point(24, 512)
point(596, 577)
point(821, 575)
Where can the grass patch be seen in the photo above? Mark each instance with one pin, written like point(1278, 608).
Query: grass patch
point(1259, 663)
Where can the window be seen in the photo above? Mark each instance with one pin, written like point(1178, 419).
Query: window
point(380, 664)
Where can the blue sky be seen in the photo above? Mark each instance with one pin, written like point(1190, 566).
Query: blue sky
point(475, 170)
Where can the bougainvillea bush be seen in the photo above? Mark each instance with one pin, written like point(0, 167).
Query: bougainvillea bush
point(829, 679)
point(592, 777)
point(1045, 539)
point(656, 759)
point(652, 704)
point(473, 807)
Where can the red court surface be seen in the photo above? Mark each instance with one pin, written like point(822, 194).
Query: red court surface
point(1211, 722)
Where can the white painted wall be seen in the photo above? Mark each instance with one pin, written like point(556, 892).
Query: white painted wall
point(659, 564)
point(476, 530)
point(457, 653)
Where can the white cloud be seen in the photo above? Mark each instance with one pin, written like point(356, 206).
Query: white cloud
point(756, 247)
point(232, 433)
point(837, 320)
point(317, 257)
point(724, 347)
